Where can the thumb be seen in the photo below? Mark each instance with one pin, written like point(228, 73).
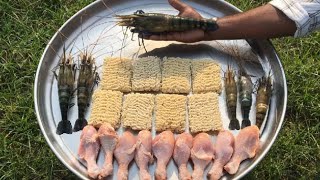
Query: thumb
point(178, 5)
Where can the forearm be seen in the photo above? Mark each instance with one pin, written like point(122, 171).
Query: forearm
point(259, 23)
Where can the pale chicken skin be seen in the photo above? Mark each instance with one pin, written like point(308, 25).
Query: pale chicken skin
point(223, 152)
point(124, 153)
point(108, 139)
point(143, 155)
point(202, 153)
point(162, 147)
point(245, 147)
point(89, 149)
point(181, 154)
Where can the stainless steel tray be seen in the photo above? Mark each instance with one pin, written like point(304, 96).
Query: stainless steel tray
point(94, 26)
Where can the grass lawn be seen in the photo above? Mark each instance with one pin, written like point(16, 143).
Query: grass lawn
point(27, 26)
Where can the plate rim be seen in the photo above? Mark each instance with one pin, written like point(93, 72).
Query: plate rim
point(72, 169)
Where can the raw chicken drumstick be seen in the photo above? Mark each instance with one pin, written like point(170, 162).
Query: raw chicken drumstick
point(143, 154)
point(162, 147)
point(202, 153)
point(124, 153)
point(246, 145)
point(108, 139)
point(223, 152)
point(89, 149)
point(181, 154)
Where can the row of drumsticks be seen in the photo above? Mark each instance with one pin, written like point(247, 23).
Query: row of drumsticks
point(226, 153)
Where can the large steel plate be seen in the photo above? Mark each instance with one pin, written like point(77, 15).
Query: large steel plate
point(94, 28)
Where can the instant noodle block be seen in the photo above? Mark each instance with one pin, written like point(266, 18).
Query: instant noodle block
point(205, 76)
point(106, 107)
point(204, 114)
point(170, 112)
point(137, 111)
point(116, 74)
point(146, 74)
point(176, 76)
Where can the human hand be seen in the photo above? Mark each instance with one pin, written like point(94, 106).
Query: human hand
point(186, 36)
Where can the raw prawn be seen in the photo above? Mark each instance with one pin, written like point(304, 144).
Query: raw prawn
point(156, 23)
point(88, 77)
point(245, 96)
point(231, 98)
point(263, 98)
point(65, 80)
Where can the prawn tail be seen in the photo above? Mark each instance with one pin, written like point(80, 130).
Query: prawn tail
point(64, 126)
point(80, 124)
point(245, 123)
point(209, 25)
point(234, 124)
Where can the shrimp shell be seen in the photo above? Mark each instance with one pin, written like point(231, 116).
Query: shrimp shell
point(65, 80)
point(88, 77)
point(263, 98)
point(155, 23)
point(231, 98)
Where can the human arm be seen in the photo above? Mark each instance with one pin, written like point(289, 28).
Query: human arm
point(259, 23)
point(262, 22)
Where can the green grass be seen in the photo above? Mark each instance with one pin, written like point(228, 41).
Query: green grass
point(25, 29)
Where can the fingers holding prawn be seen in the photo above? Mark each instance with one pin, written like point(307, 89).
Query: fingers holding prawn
point(184, 9)
point(178, 5)
point(171, 36)
point(186, 36)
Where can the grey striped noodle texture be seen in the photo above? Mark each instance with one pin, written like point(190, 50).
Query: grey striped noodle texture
point(146, 74)
point(176, 76)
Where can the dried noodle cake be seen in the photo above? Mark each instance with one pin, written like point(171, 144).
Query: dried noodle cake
point(205, 76)
point(116, 74)
point(106, 108)
point(146, 74)
point(176, 75)
point(137, 111)
point(204, 114)
point(170, 112)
